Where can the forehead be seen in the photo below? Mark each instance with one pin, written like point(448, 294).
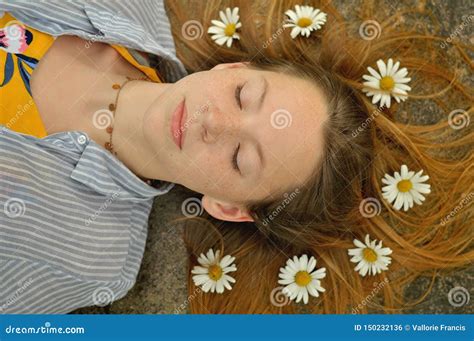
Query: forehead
point(291, 130)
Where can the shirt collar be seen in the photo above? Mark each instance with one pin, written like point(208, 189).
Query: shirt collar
point(98, 169)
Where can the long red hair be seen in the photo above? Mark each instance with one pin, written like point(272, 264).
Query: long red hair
point(426, 240)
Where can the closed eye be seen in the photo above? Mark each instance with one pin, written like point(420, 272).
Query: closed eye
point(238, 90)
point(235, 165)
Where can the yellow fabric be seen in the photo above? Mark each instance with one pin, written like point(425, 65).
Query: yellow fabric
point(21, 49)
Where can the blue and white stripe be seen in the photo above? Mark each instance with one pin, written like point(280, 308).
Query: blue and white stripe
point(73, 219)
point(73, 223)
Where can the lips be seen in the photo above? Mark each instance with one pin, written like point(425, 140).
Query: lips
point(177, 122)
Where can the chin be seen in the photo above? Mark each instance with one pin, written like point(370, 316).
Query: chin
point(152, 128)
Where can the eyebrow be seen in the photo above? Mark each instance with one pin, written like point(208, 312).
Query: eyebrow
point(262, 98)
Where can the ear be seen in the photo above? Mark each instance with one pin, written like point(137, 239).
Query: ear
point(230, 65)
point(225, 211)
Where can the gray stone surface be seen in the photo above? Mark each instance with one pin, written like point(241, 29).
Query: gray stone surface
point(162, 281)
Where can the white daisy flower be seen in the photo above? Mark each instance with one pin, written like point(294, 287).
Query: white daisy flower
point(225, 31)
point(372, 258)
point(304, 20)
point(212, 274)
point(300, 279)
point(389, 81)
point(405, 188)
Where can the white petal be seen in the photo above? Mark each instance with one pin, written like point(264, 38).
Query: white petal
point(292, 15)
point(311, 264)
point(374, 73)
point(389, 66)
point(295, 31)
point(382, 67)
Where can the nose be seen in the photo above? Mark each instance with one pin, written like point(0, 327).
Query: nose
point(217, 125)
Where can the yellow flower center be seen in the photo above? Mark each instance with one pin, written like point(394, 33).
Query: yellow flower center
point(369, 255)
point(304, 22)
point(302, 278)
point(404, 185)
point(215, 272)
point(387, 83)
point(229, 30)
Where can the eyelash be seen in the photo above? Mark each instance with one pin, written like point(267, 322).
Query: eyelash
point(238, 90)
point(235, 166)
point(234, 159)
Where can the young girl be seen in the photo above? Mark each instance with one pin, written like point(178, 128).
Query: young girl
point(286, 200)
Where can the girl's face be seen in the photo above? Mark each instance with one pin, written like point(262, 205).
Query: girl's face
point(247, 135)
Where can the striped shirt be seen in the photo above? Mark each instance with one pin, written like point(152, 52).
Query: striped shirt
point(73, 218)
point(73, 225)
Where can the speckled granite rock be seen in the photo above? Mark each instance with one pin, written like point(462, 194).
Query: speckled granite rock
point(161, 284)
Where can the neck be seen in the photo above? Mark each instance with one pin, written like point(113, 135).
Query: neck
point(128, 139)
